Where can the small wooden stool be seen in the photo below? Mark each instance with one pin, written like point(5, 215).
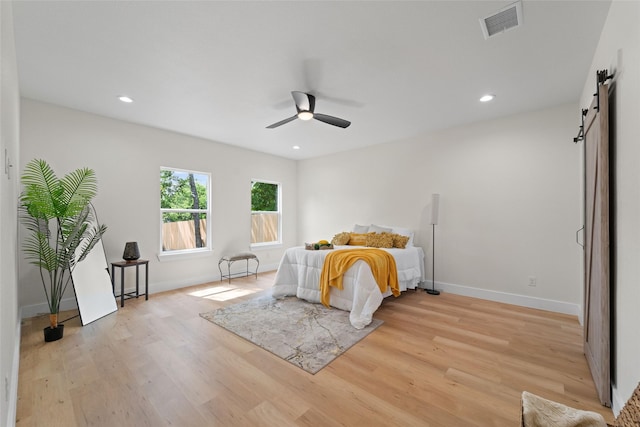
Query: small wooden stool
point(230, 259)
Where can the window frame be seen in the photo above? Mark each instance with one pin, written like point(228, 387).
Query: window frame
point(164, 255)
point(273, 243)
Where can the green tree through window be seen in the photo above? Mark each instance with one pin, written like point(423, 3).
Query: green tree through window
point(184, 208)
point(264, 196)
point(265, 213)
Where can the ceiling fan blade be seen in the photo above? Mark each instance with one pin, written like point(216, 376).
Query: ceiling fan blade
point(341, 123)
point(282, 122)
point(304, 101)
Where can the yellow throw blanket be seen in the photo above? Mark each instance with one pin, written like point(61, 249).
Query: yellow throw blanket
point(382, 263)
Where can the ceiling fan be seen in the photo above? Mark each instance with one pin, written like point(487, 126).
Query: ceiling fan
point(305, 104)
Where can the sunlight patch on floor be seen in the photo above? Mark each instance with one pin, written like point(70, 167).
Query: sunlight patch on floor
point(203, 293)
point(223, 293)
point(236, 293)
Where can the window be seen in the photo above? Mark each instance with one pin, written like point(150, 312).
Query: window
point(265, 213)
point(185, 211)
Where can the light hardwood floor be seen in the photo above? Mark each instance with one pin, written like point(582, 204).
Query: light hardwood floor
point(436, 361)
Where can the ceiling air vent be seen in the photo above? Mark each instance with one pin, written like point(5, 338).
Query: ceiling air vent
point(506, 19)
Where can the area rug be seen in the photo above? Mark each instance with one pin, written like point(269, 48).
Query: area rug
point(307, 335)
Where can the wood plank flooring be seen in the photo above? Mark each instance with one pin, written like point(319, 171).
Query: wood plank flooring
point(436, 361)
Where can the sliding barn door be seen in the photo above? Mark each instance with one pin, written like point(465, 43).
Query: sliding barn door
point(596, 262)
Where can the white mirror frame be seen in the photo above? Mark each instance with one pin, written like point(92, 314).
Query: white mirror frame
point(92, 285)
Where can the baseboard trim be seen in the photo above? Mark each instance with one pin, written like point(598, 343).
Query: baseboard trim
point(171, 285)
point(15, 370)
point(34, 310)
point(616, 401)
point(509, 298)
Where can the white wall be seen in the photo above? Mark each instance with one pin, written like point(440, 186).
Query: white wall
point(127, 160)
point(509, 204)
point(9, 137)
point(619, 51)
point(510, 195)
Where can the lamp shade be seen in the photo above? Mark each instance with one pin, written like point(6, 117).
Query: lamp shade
point(131, 251)
point(435, 208)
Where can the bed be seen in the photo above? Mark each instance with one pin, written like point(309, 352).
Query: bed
point(299, 275)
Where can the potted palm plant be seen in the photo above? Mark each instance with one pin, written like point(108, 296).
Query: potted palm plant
point(58, 216)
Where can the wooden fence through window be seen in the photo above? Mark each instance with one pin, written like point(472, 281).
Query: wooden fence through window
point(264, 227)
point(181, 234)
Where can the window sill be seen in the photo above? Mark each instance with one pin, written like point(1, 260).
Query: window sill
point(180, 256)
point(265, 246)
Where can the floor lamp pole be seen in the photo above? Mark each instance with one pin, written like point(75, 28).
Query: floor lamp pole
point(433, 290)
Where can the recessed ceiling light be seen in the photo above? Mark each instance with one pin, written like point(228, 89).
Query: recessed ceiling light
point(125, 99)
point(296, 147)
point(487, 98)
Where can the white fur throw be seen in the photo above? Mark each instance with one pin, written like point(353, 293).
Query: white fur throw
point(539, 412)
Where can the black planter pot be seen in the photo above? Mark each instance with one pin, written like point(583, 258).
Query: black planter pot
point(53, 334)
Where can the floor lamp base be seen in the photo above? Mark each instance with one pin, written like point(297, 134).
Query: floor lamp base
point(432, 292)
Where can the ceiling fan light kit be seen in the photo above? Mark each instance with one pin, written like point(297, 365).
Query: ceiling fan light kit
point(305, 115)
point(305, 106)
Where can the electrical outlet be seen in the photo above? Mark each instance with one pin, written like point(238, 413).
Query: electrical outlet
point(533, 280)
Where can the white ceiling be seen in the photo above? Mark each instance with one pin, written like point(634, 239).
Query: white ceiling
point(224, 70)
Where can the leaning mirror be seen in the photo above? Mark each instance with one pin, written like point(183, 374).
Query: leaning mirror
point(92, 285)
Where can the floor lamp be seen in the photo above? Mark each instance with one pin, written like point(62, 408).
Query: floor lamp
point(435, 207)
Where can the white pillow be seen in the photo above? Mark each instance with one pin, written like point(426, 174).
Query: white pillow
point(377, 229)
point(360, 229)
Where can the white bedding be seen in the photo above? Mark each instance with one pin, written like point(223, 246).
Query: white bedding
point(299, 275)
